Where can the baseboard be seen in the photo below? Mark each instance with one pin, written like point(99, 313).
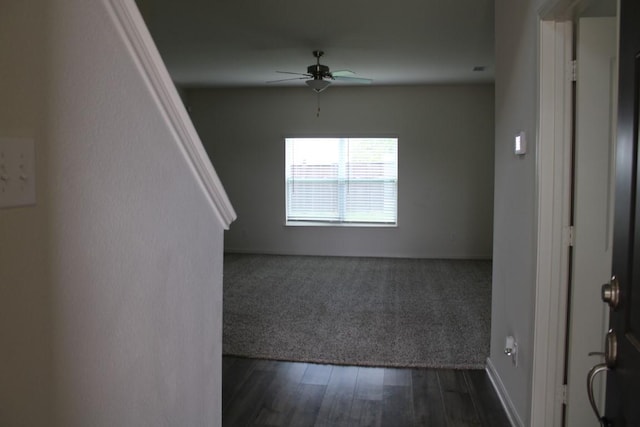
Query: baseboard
point(501, 391)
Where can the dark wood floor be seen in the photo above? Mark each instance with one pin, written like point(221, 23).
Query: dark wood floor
point(269, 393)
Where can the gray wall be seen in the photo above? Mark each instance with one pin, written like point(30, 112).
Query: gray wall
point(111, 285)
point(514, 239)
point(445, 155)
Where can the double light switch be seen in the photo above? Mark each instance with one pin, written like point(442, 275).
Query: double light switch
point(17, 172)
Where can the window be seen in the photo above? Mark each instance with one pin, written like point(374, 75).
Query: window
point(341, 181)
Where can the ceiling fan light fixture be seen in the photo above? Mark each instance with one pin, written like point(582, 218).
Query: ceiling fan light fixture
point(318, 85)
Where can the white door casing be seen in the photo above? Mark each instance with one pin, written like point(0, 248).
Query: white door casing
point(553, 200)
point(553, 206)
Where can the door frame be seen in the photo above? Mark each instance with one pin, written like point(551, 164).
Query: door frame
point(553, 195)
point(553, 201)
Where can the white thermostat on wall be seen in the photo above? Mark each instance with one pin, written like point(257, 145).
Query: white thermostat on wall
point(520, 144)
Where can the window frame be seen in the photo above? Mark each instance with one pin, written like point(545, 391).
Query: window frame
point(341, 222)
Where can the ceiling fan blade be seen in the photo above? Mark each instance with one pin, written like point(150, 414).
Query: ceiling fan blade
point(352, 79)
point(290, 72)
point(342, 73)
point(286, 80)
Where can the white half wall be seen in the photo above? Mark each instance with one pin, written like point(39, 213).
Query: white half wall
point(111, 285)
point(445, 155)
point(26, 386)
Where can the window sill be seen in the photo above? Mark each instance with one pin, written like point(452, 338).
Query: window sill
point(337, 224)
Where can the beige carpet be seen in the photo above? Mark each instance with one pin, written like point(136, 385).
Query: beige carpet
point(358, 311)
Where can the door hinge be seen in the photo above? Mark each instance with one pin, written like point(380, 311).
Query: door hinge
point(573, 68)
point(562, 394)
point(570, 236)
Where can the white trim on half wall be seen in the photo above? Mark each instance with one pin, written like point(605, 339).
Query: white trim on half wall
point(144, 52)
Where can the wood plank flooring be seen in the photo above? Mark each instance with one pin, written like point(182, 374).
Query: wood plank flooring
point(269, 393)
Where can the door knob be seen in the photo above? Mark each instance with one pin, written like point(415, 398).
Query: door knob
point(600, 367)
point(610, 358)
point(611, 293)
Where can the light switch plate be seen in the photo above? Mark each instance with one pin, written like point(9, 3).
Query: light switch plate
point(17, 172)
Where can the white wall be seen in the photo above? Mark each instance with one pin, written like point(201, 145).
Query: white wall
point(445, 165)
point(514, 239)
point(25, 294)
point(110, 286)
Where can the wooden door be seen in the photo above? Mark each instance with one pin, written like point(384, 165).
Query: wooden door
point(623, 380)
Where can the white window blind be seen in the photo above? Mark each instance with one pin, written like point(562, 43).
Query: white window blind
point(341, 180)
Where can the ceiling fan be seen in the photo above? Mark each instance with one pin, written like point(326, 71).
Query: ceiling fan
point(319, 76)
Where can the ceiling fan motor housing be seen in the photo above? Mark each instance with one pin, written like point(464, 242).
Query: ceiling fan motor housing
point(319, 71)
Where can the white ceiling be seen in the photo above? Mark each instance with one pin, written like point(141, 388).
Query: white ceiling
point(243, 43)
